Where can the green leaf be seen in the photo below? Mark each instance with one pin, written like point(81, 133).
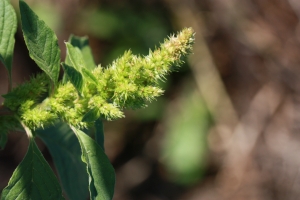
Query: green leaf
point(74, 76)
point(65, 151)
point(74, 57)
point(89, 75)
point(101, 172)
point(83, 44)
point(91, 115)
point(8, 27)
point(41, 42)
point(99, 136)
point(33, 178)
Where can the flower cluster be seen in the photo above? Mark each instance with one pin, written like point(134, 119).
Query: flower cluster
point(128, 83)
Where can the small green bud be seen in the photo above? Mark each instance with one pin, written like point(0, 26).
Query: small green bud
point(31, 90)
point(38, 118)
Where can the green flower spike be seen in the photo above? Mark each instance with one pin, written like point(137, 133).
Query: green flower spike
point(130, 82)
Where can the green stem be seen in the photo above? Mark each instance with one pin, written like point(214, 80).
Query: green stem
point(27, 130)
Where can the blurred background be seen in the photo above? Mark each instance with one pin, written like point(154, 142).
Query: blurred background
point(228, 125)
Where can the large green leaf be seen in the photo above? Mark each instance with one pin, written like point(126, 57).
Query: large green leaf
point(94, 116)
point(41, 42)
point(8, 27)
point(101, 172)
point(65, 150)
point(99, 135)
point(33, 178)
point(83, 44)
point(74, 76)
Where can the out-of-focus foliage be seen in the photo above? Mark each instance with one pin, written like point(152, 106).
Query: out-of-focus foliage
point(124, 27)
point(184, 148)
